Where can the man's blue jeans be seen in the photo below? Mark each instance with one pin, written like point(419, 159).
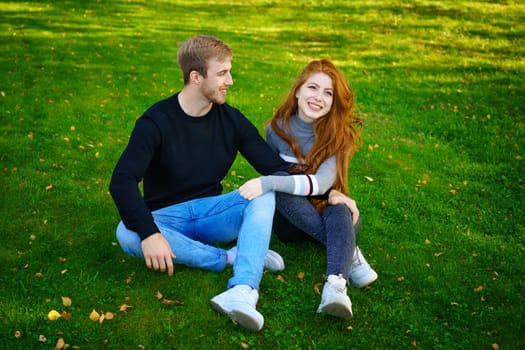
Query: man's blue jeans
point(192, 228)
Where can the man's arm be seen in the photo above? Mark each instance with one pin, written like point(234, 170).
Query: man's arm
point(134, 212)
point(257, 152)
point(128, 173)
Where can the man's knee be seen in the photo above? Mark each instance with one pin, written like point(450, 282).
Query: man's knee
point(128, 240)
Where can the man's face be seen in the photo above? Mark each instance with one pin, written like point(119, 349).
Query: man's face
point(219, 79)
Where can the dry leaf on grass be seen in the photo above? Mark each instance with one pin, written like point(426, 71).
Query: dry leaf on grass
point(66, 301)
point(125, 307)
point(60, 344)
point(316, 288)
point(478, 289)
point(94, 316)
point(53, 315)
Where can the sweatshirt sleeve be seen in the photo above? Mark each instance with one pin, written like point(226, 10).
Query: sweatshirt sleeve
point(128, 173)
point(257, 151)
point(303, 185)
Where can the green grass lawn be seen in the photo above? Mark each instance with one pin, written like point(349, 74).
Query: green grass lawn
point(439, 180)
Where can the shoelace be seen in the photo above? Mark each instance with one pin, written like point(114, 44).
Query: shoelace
point(357, 259)
point(339, 289)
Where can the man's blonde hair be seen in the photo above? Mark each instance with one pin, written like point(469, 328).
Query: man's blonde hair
point(195, 53)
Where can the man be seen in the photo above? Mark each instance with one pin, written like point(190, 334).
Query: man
point(181, 148)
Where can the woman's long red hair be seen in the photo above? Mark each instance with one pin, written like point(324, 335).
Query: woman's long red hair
point(337, 133)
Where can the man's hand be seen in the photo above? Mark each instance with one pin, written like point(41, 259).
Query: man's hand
point(157, 253)
point(251, 189)
point(336, 197)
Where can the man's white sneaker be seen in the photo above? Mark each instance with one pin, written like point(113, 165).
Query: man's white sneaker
point(239, 304)
point(361, 273)
point(334, 300)
point(272, 261)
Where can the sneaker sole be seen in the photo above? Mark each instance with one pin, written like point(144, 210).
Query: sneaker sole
point(249, 320)
point(240, 314)
point(337, 310)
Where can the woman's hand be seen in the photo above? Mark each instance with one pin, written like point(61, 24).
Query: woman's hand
point(336, 197)
point(251, 189)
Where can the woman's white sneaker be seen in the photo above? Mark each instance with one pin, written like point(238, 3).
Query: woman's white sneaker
point(361, 273)
point(334, 300)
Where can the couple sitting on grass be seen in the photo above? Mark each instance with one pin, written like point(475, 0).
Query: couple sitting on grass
point(183, 147)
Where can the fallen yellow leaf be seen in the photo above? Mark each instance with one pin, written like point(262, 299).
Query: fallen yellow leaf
point(94, 316)
point(66, 301)
point(60, 344)
point(53, 315)
point(125, 307)
point(478, 289)
point(316, 288)
point(300, 275)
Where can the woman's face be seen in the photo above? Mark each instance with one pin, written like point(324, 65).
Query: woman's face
point(315, 97)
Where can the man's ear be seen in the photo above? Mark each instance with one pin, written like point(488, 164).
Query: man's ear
point(195, 77)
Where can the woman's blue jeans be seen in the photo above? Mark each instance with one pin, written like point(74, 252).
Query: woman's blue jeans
point(192, 228)
point(297, 219)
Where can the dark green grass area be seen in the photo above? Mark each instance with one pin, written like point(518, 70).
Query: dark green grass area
point(439, 179)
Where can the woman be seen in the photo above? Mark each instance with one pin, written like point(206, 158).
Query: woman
point(317, 131)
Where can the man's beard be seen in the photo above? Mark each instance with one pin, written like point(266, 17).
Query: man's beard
point(214, 95)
